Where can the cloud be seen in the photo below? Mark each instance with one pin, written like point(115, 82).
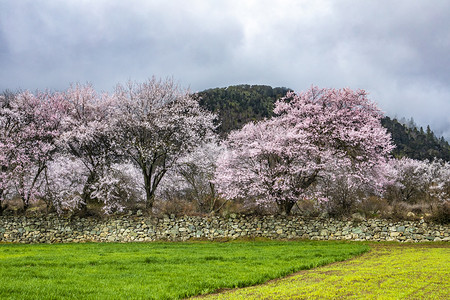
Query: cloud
point(397, 50)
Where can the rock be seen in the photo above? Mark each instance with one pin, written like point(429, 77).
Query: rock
point(401, 228)
point(410, 214)
point(358, 217)
point(122, 228)
point(357, 230)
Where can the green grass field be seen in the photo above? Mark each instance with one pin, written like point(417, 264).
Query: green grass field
point(388, 271)
point(155, 270)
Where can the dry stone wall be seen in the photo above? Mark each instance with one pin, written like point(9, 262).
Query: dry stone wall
point(54, 229)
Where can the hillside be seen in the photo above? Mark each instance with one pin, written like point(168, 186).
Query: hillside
point(415, 142)
point(240, 104)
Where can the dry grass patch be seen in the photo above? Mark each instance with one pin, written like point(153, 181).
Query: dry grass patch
point(388, 271)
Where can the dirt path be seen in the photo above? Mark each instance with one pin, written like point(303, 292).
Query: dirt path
point(387, 271)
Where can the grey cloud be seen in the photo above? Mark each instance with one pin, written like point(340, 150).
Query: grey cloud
point(120, 42)
point(397, 50)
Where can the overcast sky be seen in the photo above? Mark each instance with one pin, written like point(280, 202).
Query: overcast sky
point(399, 51)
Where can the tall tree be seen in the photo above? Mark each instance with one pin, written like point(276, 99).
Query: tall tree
point(10, 128)
point(158, 123)
point(278, 160)
point(45, 112)
point(30, 127)
point(88, 134)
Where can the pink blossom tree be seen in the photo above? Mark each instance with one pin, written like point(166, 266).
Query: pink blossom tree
point(10, 155)
point(158, 123)
point(31, 124)
point(119, 188)
point(89, 134)
point(419, 181)
point(343, 188)
point(192, 177)
point(46, 111)
point(64, 182)
point(280, 160)
point(410, 180)
point(440, 183)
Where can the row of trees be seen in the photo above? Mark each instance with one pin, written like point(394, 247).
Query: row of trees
point(78, 147)
point(153, 140)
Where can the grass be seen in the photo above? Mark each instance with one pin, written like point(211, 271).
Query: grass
point(388, 271)
point(155, 270)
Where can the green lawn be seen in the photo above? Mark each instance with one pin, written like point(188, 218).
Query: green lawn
point(155, 270)
point(388, 271)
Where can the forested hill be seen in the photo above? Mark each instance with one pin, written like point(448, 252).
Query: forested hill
point(416, 143)
point(240, 104)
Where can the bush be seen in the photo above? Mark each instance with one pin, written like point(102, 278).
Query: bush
point(373, 206)
point(307, 208)
point(440, 213)
point(174, 206)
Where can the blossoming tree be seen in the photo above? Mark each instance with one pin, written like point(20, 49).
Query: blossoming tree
point(30, 127)
point(279, 160)
point(10, 126)
point(417, 181)
point(88, 134)
point(157, 124)
point(192, 177)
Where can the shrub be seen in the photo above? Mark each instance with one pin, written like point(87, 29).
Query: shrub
point(440, 213)
point(174, 205)
point(373, 206)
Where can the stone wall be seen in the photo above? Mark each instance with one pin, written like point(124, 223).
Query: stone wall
point(54, 229)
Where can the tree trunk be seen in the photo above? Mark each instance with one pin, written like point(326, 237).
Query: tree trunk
point(26, 205)
point(149, 192)
point(285, 206)
point(150, 199)
point(87, 192)
point(1, 202)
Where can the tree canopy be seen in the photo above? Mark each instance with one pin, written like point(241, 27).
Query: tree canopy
point(313, 133)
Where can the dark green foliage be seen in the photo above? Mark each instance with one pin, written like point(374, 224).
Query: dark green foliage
point(416, 143)
point(240, 104)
